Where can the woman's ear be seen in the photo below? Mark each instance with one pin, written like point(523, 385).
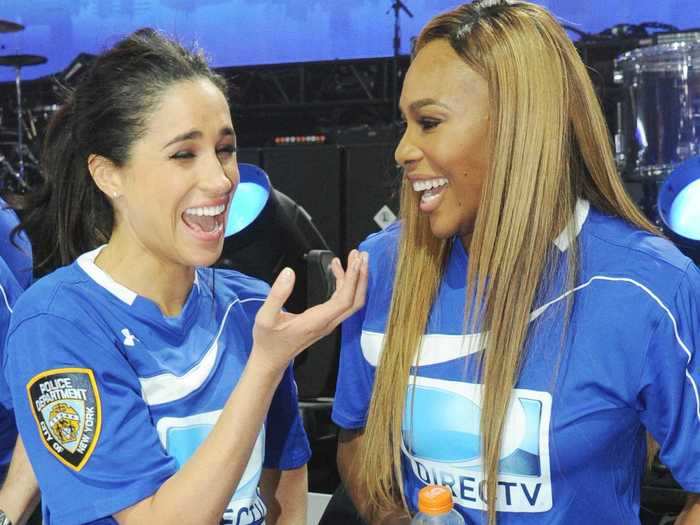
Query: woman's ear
point(106, 175)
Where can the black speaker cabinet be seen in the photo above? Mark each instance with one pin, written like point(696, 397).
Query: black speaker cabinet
point(310, 175)
point(250, 156)
point(372, 185)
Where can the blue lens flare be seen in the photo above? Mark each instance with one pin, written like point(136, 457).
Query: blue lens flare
point(248, 202)
point(678, 205)
point(249, 199)
point(684, 216)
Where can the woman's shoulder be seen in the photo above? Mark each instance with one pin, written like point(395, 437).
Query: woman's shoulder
point(57, 293)
point(383, 245)
point(614, 247)
point(59, 313)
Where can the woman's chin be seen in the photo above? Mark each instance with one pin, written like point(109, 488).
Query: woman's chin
point(443, 230)
point(204, 256)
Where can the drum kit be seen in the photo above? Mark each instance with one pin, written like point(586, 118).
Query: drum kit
point(657, 141)
point(19, 157)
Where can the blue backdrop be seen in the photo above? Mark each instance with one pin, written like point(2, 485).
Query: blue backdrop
point(243, 32)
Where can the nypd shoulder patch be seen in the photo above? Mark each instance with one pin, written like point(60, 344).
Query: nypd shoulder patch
point(66, 406)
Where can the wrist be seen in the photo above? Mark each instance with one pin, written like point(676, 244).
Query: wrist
point(262, 366)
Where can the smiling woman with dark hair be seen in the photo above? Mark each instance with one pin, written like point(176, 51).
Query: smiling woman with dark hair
point(147, 387)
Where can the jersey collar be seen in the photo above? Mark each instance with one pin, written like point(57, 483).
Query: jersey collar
point(87, 263)
point(562, 241)
point(573, 228)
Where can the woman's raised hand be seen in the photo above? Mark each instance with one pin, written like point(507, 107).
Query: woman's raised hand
point(279, 336)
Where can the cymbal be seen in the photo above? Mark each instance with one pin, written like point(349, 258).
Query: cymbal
point(22, 60)
point(10, 27)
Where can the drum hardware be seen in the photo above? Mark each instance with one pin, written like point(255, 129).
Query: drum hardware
point(36, 119)
point(657, 123)
point(10, 27)
point(9, 170)
point(18, 62)
point(678, 36)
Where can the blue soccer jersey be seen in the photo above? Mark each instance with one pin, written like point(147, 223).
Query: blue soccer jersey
point(9, 292)
point(111, 397)
point(574, 441)
point(17, 254)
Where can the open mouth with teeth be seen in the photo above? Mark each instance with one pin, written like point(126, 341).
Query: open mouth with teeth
point(431, 189)
point(206, 220)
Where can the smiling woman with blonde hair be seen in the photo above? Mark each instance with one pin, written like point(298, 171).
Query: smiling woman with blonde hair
point(524, 323)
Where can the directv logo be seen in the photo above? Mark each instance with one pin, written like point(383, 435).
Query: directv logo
point(442, 445)
point(182, 436)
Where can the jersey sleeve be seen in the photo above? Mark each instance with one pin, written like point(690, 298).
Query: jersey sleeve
point(286, 444)
point(669, 394)
point(355, 374)
point(10, 290)
point(86, 429)
point(353, 390)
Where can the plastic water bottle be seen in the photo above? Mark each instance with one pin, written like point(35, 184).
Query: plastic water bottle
point(435, 507)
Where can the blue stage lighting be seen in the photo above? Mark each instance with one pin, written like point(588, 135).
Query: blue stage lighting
point(250, 198)
point(685, 212)
point(679, 207)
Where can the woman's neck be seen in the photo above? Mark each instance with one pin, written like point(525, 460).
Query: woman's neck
point(466, 240)
point(164, 282)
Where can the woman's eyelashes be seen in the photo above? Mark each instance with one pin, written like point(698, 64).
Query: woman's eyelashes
point(227, 150)
point(427, 123)
point(222, 151)
point(182, 155)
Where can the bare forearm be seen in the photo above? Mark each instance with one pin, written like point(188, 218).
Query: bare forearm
point(20, 493)
point(349, 444)
point(354, 489)
point(284, 493)
point(395, 516)
point(691, 511)
point(191, 496)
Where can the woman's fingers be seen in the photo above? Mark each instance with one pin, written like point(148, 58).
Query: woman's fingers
point(294, 332)
point(268, 313)
point(337, 271)
point(345, 292)
point(347, 299)
point(360, 290)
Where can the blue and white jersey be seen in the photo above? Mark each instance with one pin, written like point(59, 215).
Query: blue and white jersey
point(10, 290)
point(18, 257)
point(574, 442)
point(15, 276)
point(111, 397)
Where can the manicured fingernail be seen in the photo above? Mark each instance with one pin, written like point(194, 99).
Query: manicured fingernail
point(286, 275)
point(365, 258)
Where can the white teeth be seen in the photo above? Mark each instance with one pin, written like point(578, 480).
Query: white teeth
point(422, 185)
point(206, 210)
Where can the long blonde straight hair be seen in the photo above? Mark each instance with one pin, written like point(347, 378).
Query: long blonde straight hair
point(549, 146)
